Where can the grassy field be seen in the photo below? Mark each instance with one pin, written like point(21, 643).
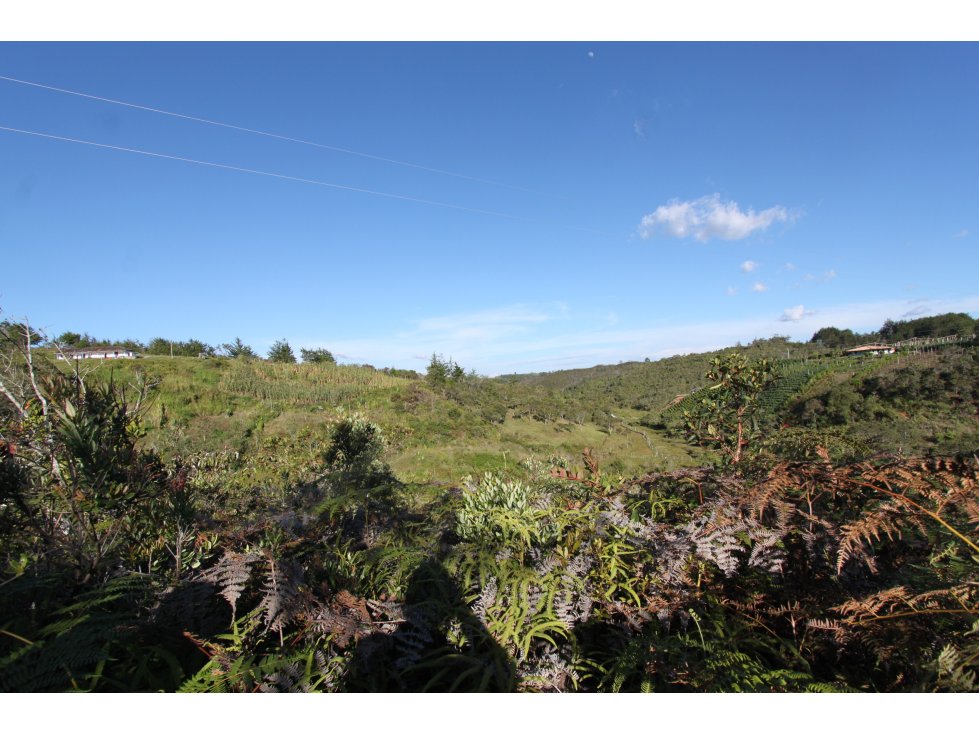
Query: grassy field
point(217, 405)
point(206, 406)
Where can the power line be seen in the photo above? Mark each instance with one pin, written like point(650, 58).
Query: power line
point(287, 138)
point(286, 177)
point(260, 173)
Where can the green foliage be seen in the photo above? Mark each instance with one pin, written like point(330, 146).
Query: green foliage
point(442, 371)
point(282, 352)
point(356, 445)
point(238, 349)
point(292, 559)
point(724, 415)
point(949, 324)
point(190, 348)
point(830, 336)
point(504, 513)
point(317, 356)
point(73, 339)
point(18, 335)
point(958, 667)
point(359, 482)
point(909, 403)
point(80, 488)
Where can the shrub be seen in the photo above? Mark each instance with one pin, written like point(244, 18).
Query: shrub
point(317, 356)
point(505, 512)
point(282, 352)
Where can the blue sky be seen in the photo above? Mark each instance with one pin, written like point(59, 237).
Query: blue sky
point(566, 204)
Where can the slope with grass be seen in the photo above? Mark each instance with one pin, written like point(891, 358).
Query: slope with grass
point(227, 407)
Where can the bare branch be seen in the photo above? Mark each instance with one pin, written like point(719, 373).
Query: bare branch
point(30, 368)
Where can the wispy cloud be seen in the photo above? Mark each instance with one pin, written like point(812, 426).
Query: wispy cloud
point(709, 217)
point(639, 127)
point(759, 287)
point(789, 266)
point(731, 291)
point(796, 313)
point(488, 325)
point(918, 311)
point(582, 341)
point(961, 233)
point(749, 266)
point(825, 277)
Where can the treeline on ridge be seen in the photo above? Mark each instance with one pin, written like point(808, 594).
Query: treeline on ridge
point(948, 324)
point(280, 351)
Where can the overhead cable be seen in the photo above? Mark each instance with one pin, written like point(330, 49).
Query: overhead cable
point(253, 131)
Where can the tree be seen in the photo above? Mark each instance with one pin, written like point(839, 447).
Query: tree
point(317, 356)
point(724, 417)
point(239, 349)
point(137, 346)
point(189, 348)
point(830, 336)
point(69, 339)
point(12, 332)
point(441, 371)
point(282, 352)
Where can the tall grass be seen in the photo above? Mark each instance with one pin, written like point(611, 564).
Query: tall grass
point(304, 384)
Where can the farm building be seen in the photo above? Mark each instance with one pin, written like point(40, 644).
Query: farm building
point(874, 349)
point(98, 353)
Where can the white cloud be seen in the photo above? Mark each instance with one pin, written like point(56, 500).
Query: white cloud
point(639, 128)
point(961, 233)
point(709, 217)
point(789, 266)
point(759, 287)
point(749, 266)
point(796, 313)
point(489, 324)
point(562, 343)
point(829, 275)
point(731, 291)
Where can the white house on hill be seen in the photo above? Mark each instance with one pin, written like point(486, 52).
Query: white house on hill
point(874, 349)
point(98, 353)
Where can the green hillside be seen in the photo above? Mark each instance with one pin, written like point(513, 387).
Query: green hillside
point(233, 524)
point(434, 434)
point(628, 414)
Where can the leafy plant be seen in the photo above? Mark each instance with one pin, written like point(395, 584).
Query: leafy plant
point(724, 416)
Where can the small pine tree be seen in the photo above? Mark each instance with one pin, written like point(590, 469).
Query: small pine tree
point(441, 371)
point(239, 349)
point(282, 352)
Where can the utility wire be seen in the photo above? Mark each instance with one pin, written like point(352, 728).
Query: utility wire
point(260, 173)
point(334, 148)
point(286, 177)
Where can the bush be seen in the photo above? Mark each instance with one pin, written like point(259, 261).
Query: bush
point(238, 348)
point(355, 451)
point(442, 371)
point(503, 512)
point(317, 356)
point(282, 352)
